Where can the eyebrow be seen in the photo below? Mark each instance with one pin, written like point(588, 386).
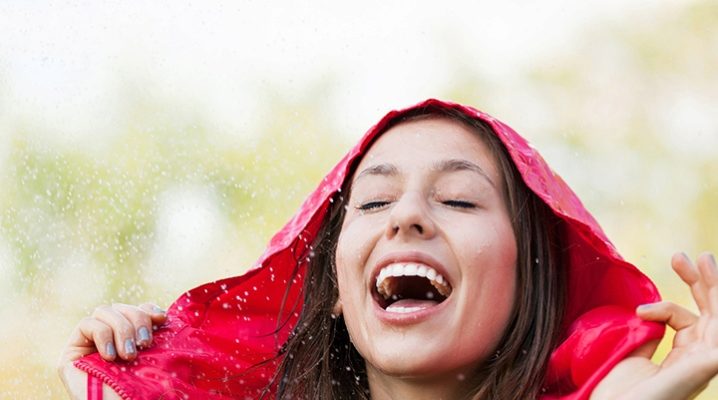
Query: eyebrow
point(461, 165)
point(450, 165)
point(379, 169)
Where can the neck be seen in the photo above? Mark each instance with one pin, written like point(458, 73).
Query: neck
point(450, 386)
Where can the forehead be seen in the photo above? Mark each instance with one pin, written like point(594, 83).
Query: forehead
point(417, 142)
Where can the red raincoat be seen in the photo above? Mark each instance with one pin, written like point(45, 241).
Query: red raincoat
point(218, 334)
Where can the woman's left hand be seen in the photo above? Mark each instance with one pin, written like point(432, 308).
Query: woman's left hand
point(693, 360)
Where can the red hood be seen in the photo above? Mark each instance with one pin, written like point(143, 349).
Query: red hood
point(218, 333)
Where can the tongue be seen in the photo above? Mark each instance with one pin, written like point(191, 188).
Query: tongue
point(412, 303)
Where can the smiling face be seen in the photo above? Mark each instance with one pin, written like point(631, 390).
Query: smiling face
point(426, 257)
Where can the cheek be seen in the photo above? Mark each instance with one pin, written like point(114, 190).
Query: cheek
point(503, 241)
point(355, 244)
point(492, 262)
point(350, 265)
point(490, 240)
point(351, 255)
point(503, 258)
point(345, 257)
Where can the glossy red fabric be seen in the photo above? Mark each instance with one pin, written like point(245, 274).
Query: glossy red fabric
point(218, 334)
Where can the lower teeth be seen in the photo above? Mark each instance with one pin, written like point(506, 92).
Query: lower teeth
point(403, 310)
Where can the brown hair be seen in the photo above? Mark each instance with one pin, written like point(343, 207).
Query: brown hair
point(319, 360)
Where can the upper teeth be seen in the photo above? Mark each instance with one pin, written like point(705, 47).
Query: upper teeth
point(411, 269)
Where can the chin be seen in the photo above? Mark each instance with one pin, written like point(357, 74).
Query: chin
point(422, 361)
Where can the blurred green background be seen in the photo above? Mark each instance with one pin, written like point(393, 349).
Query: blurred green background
point(145, 149)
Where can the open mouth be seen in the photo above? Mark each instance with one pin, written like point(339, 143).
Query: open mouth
point(409, 287)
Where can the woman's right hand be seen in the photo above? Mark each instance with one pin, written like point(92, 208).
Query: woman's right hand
point(115, 331)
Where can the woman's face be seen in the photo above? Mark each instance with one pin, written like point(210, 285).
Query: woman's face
point(426, 201)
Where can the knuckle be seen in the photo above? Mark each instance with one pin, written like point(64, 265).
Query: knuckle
point(120, 306)
point(98, 330)
point(143, 318)
point(103, 329)
point(102, 337)
point(136, 316)
point(128, 310)
point(101, 309)
point(125, 330)
point(148, 308)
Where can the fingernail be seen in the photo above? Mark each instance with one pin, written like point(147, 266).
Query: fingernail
point(644, 307)
point(110, 349)
point(158, 310)
point(144, 334)
point(129, 346)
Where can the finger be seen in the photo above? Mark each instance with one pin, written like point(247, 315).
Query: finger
point(690, 275)
point(101, 334)
point(123, 331)
point(140, 320)
point(709, 275)
point(672, 314)
point(157, 314)
point(89, 336)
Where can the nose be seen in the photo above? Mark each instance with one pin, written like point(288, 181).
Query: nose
point(410, 217)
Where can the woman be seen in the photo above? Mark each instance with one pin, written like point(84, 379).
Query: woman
point(441, 258)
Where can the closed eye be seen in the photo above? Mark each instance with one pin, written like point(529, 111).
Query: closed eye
point(459, 204)
point(372, 205)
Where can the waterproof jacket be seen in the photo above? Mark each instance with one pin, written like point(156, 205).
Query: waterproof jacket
point(218, 335)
